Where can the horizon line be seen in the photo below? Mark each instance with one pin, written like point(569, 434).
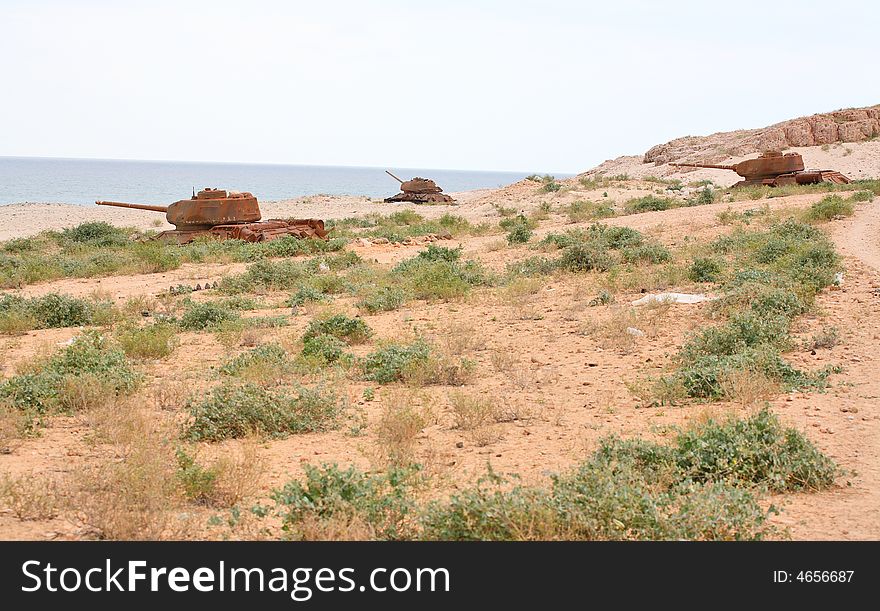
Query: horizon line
point(259, 163)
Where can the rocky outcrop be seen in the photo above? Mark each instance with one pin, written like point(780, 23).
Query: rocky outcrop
point(850, 125)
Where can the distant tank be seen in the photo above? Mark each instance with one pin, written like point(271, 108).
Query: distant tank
point(225, 214)
point(419, 191)
point(774, 169)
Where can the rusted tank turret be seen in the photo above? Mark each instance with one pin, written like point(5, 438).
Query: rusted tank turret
point(419, 191)
point(774, 169)
point(225, 215)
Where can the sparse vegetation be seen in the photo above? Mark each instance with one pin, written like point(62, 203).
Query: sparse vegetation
point(237, 411)
point(780, 271)
point(86, 374)
point(649, 203)
point(580, 211)
point(519, 229)
point(704, 485)
point(200, 316)
point(99, 249)
point(152, 341)
point(19, 315)
point(350, 330)
point(830, 207)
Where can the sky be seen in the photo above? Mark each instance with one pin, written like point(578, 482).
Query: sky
point(473, 84)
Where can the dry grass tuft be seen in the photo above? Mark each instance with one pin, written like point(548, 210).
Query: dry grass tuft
point(402, 421)
point(463, 338)
point(748, 388)
point(13, 428)
point(31, 496)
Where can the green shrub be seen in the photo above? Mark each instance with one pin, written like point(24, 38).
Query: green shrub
point(829, 207)
point(650, 253)
point(705, 269)
point(198, 482)
point(390, 363)
point(533, 266)
point(304, 295)
point(570, 237)
point(97, 233)
point(153, 341)
point(383, 503)
point(704, 197)
point(701, 486)
point(205, 315)
point(236, 411)
point(579, 211)
point(324, 348)
point(53, 311)
point(382, 299)
point(88, 362)
point(437, 273)
point(618, 237)
point(861, 196)
point(758, 450)
point(649, 203)
point(271, 356)
point(350, 330)
point(585, 257)
point(704, 376)
point(519, 229)
point(743, 330)
point(550, 185)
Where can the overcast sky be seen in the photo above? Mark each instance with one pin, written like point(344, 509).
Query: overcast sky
point(534, 86)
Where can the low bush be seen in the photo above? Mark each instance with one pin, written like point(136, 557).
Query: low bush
point(324, 348)
point(438, 273)
point(649, 203)
point(646, 253)
point(518, 228)
point(237, 411)
point(200, 316)
point(380, 504)
point(382, 299)
point(757, 450)
point(50, 311)
point(585, 257)
point(580, 211)
point(390, 363)
point(83, 374)
point(152, 341)
point(269, 358)
point(705, 269)
point(348, 329)
point(829, 207)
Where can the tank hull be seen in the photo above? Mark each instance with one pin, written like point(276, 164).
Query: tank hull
point(262, 231)
point(421, 198)
point(807, 177)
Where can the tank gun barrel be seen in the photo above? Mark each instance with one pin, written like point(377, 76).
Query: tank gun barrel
point(393, 176)
point(135, 206)
point(713, 166)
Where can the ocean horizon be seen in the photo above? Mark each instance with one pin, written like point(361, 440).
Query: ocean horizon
point(82, 181)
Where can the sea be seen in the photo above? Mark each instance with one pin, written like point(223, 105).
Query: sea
point(82, 181)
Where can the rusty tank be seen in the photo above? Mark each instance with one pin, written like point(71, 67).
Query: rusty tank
point(227, 215)
point(774, 169)
point(420, 191)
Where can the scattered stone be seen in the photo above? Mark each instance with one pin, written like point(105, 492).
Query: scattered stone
point(459, 444)
point(635, 332)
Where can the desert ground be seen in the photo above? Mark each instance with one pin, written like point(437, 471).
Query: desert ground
point(556, 362)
